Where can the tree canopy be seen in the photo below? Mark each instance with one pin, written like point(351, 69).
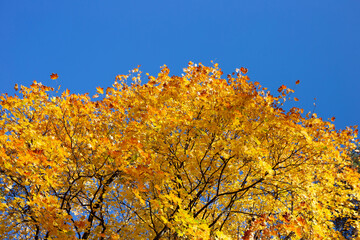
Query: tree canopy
point(196, 156)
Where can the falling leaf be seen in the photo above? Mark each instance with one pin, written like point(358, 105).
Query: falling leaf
point(296, 99)
point(16, 87)
point(297, 82)
point(54, 76)
point(333, 119)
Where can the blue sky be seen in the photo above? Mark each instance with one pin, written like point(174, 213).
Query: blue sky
point(89, 42)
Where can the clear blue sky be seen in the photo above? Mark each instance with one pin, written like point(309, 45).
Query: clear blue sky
point(89, 42)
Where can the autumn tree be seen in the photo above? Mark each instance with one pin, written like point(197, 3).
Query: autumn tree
point(196, 156)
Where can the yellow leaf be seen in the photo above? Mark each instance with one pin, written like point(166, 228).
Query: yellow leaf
point(100, 90)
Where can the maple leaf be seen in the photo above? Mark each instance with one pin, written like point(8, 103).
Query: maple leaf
point(54, 76)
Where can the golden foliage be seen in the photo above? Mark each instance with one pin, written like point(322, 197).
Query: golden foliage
point(182, 157)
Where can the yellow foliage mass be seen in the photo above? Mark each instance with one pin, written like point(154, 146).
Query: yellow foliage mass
point(196, 156)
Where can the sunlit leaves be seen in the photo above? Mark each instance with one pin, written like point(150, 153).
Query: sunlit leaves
point(191, 156)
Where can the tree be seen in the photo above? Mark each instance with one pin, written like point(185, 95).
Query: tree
point(182, 157)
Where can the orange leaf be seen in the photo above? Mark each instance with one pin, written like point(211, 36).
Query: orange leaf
point(333, 119)
point(298, 232)
point(38, 151)
point(297, 82)
point(248, 235)
point(16, 87)
point(54, 76)
point(296, 99)
point(243, 70)
point(281, 88)
point(301, 221)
